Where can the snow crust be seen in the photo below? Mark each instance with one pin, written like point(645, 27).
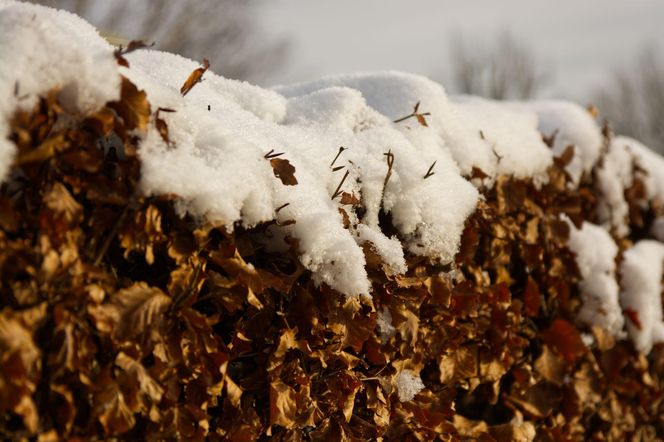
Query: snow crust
point(595, 257)
point(641, 276)
point(222, 130)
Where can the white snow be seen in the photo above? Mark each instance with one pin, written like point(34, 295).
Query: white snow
point(222, 130)
point(42, 48)
point(614, 175)
point(216, 152)
point(514, 145)
point(641, 277)
point(384, 323)
point(625, 160)
point(657, 228)
point(409, 384)
point(647, 160)
point(573, 125)
point(391, 249)
point(595, 257)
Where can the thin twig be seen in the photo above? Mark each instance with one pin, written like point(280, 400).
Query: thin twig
point(500, 157)
point(390, 163)
point(413, 114)
point(429, 172)
point(338, 191)
point(281, 207)
point(271, 154)
point(341, 149)
point(334, 169)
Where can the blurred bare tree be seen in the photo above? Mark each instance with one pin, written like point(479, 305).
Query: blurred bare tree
point(504, 70)
point(634, 102)
point(224, 31)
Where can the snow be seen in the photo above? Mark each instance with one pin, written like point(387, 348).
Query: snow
point(595, 257)
point(217, 150)
point(384, 323)
point(391, 249)
point(624, 160)
point(641, 277)
point(657, 228)
point(221, 131)
point(614, 175)
point(647, 160)
point(409, 384)
point(572, 125)
point(57, 49)
point(514, 145)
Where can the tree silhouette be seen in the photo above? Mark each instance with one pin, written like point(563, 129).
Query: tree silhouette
point(224, 31)
point(504, 70)
point(634, 102)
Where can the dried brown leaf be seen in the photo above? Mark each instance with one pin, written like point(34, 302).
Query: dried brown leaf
point(633, 316)
point(194, 78)
point(565, 338)
point(284, 170)
point(531, 298)
point(134, 311)
point(551, 366)
point(133, 106)
point(349, 198)
point(61, 202)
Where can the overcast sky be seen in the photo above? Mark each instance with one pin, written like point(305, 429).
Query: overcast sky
point(579, 41)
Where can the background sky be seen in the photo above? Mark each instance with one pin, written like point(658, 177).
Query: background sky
point(580, 42)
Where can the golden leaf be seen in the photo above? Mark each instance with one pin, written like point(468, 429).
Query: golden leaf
point(60, 201)
point(283, 404)
point(194, 78)
point(133, 106)
point(551, 366)
point(132, 312)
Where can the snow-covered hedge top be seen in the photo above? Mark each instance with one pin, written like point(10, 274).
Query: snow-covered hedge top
point(348, 141)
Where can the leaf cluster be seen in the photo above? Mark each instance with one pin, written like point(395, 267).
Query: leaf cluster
point(119, 318)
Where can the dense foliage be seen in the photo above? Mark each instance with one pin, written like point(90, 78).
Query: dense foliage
point(120, 318)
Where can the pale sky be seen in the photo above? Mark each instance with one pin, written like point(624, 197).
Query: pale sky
point(580, 41)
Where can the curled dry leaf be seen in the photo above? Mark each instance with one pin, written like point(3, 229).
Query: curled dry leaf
point(349, 198)
point(20, 367)
point(133, 106)
point(148, 392)
point(565, 338)
point(195, 77)
point(633, 316)
point(161, 125)
point(133, 312)
point(284, 170)
point(61, 202)
point(551, 366)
